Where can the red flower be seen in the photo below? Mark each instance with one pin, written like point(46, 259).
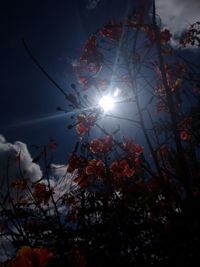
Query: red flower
point(82, 179)
point(19, 184)
point(81, 128)
point(84, 123)
point(76, 162)
point(120, 169)
point(112, 30)
point(132, 148)
point(95, 167)
point(191, 36)
point(83, 79)
point(101, 145)
point(90, 44)
point(32, 257)
point(184, 129)
point(41, 193)
point(185, 135)
point(73, 163)
point(165, 36)
point(88, 82)
point(91, 53)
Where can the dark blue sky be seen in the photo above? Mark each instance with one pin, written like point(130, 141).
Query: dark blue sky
point(55, 32)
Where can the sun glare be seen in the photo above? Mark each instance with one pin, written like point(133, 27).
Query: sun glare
point(106, 102)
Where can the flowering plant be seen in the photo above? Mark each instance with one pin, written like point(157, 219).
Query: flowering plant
point(122, 201)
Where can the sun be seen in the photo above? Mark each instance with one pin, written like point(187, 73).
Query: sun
point(106, 102)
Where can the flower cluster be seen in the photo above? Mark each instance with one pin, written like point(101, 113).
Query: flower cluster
point(112, 30)
point(121, 169)
point(42, 193)
point(133, 151)
point(165, 35)
point(91, 54)
point(32, 257)
point(101, 145)
point(191, 36)
point(85, 123)
point(184, 129)
point(95, 167)
point(20, 183)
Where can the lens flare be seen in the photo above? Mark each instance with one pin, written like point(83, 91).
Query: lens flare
point(106, 102)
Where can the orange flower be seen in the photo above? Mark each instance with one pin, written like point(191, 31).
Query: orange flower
point(165, 36)
point(76, 162)
point(90, 44)
point(120, 169)
point(184, 129)
point(132, 148)
point(84, 123)
point(32, 257)
point(19, 184)
point(185, 135)
point(81, 128)
point(82, 179)
point(91, 53)
point(42, 193)
point(95, 167)
point(112, 30)
point(101, 145)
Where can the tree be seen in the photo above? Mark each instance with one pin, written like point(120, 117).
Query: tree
point(124, 207)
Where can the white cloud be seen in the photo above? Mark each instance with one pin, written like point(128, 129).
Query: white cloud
point(62, 181)
point(178, 14)
point(9, 164)
point(92, 4)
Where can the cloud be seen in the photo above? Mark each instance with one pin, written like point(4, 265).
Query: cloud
point(61, 180)
point(9, 163)
point(92, 4)
point(178, 14)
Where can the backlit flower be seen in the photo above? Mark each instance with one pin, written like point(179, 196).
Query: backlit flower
point(120, 169)
point(131, 147)
point(19, 183)
point(42, 193)
point(76, 162)
point(32, 257)
point(95, 167)
point(84, 123)
point(185, 135)
point(112, 30)
point(101, 145)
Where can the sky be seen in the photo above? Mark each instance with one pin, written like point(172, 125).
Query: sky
point(55, 31)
